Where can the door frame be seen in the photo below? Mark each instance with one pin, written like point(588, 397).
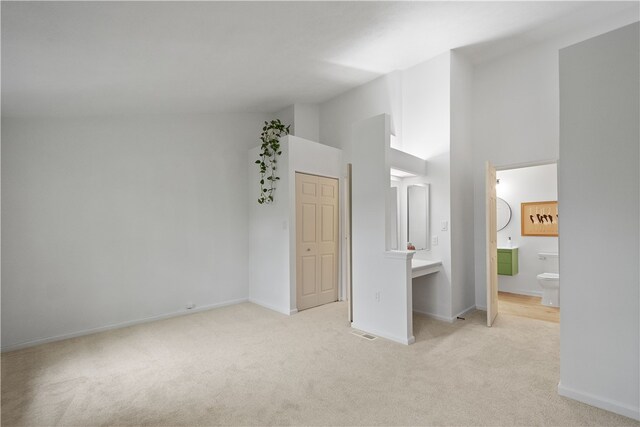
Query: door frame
point(503, 167)
point(349, 258)
point(491, 243)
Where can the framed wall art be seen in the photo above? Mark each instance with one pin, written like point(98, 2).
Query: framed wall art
point(539, 219)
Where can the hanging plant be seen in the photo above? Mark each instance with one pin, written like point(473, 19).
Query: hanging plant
point(269, 151)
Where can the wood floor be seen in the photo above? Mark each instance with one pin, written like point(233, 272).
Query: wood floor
point(526, 306)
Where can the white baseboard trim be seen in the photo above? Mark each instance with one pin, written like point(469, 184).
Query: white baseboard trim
point(286, 312)
point(445, 318)
point(293, 311)
point(481, 308)
point(600, 402)
point(119, 325)
point(435, 316)
point(523, 292)
point(390, 337)
point(464, 312)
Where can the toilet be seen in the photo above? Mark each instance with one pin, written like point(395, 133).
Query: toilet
point(549, 282)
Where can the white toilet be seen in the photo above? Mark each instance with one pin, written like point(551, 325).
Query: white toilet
point(550, 282)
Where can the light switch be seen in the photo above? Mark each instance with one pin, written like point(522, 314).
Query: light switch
point(434, 240)
point(444, 225)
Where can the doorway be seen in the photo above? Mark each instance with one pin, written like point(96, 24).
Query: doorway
point(522, 241)
point(317, 220)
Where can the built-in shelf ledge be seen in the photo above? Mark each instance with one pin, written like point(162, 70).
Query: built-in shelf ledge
point(399, 254)
point(422, 267)
point(407, 162)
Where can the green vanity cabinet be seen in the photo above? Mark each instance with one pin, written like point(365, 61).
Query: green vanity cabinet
point(508, 261)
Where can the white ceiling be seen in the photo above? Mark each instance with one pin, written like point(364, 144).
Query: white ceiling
point(92, 58)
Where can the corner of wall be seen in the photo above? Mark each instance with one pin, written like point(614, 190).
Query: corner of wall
point(287, 117)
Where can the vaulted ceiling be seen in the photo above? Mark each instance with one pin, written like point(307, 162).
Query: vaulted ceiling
point(93, 58)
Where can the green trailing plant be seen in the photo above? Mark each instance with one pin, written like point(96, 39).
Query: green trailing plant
point(268, 158)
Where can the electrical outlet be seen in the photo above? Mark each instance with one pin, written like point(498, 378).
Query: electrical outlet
point(190, 305)
point(434, 241)
point(378, 296)
point(444, 225)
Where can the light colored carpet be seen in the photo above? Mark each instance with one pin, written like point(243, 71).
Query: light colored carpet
point(246, 365)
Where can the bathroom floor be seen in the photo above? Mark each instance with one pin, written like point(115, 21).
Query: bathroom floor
point(526, 306)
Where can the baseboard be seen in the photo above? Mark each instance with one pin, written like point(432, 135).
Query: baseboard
point(128, 323)
point(481, 308)
point(465, 311)
point(600, 402)
point(270, 306)
point(293, 311)
point(521, 292)
point(435, 316)
point(445, 318)
point(372, 331)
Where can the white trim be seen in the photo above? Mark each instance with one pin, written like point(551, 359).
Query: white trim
point(481, 308)
point(465, 311)
point(523, 292)
point(293, 311)
point(400, 340)
point(445, 318)
point(600, 402)
point(286, 312)
point(119, 325)
point(423, 271)
point(434, 316)
point(405, 255)
point(526, 164)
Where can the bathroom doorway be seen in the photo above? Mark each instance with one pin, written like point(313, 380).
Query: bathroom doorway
point(526, 242)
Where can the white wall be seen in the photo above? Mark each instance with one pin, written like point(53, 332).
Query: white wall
point(599, 178)
point(113, 220)
point(307, 121)
point(432, 293)
point(461, 227)
point(436, 113)
point(515, 118)
point(411, 98)
point(425, 114)
point(426, 127)
point(269, 245)
point(531, 184)
point(287, 117)
point(381, 298)
point(303, 119)
point(272, 227)
point(337, 115)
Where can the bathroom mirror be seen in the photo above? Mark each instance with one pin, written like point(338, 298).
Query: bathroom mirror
point(503, 214)
point(418, 216)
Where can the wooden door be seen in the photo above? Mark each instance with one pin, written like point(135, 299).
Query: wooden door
point(492, 245)
point(316, 240)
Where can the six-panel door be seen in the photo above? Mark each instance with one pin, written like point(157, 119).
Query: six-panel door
point(316, 240)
